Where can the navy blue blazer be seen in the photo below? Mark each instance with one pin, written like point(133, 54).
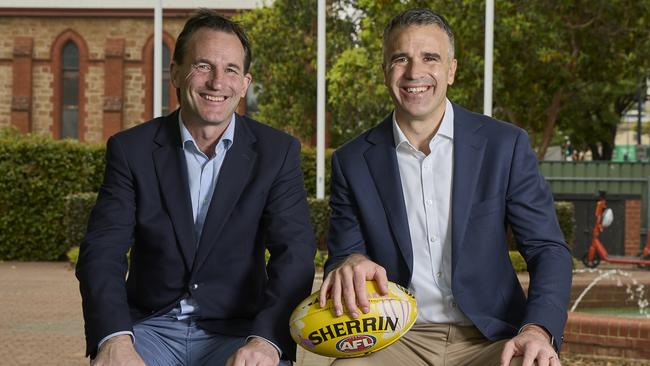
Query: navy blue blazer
point(259, 203)
point(496, 181)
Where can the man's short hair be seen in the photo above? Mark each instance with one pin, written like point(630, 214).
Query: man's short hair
point(206, 18)
point(419, 16)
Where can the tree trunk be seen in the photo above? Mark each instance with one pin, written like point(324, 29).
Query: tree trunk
point(595, 153)
point(551, 118)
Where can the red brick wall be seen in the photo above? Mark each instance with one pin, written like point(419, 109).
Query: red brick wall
point(611, 336)
point(21, 100)
point(113, 86)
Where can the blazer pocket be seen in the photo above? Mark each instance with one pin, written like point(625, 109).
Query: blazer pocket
point(487, 206)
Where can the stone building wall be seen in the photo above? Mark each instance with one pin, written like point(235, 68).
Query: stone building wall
point(106, 105)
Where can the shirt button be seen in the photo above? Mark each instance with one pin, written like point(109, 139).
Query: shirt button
point(439, 274)
point(429, 202)
point(426, 166)
point(433, 239)
point(453, 304)
point(194, 286)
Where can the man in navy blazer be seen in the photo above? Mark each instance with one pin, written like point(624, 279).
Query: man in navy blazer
point(424, 199)
point(198, 196)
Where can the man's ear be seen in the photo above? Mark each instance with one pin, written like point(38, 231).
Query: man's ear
point(451, 74)
point(175, 72)
point(248, 79)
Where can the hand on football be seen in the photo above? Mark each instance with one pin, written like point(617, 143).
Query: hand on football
point(349, 281)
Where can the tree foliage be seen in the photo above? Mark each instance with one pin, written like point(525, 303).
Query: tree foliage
point(563, 65)
point(563, 69)
point(283, 38)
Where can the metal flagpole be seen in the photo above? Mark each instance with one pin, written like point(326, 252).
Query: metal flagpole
point(489, 50)
point(320, 105)
point(157, 60)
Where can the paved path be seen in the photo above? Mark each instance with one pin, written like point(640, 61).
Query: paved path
point(41, 321)
point(40, 316)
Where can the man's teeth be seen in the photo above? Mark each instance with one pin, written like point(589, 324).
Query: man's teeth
point(214, 99)
point(419, 89)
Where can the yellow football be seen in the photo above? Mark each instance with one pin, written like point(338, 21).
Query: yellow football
point(319, 330)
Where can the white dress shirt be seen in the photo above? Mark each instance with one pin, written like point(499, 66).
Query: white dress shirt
point(427, 183)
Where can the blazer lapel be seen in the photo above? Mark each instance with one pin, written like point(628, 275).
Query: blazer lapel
point(469, 148)
point(171, 170)
point(382, 162)
point(233, 178)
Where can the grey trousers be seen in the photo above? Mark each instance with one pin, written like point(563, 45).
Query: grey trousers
point(166, 341)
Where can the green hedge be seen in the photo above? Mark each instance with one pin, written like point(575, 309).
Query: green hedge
point(77, 212)
point(566, 217)
point(41, 177)
point(518, 262)
point(319, 212)
point(79, 206)
point(37, 174)
point(309, 169)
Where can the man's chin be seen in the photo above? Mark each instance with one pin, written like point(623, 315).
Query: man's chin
point(216, 120)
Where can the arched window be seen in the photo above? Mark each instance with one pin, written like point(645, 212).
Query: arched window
point(70, 91)
point(169, 102)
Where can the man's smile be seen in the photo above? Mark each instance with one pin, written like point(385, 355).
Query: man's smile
point(416, 89)
point(213, 98)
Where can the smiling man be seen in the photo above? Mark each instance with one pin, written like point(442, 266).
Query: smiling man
point(198, 196)
point(424, 199)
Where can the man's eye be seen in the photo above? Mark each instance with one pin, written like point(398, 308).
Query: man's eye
point(400, 60)
point(231, 70)
point(204, 67)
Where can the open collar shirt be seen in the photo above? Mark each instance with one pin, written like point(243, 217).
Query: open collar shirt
point(427, 185)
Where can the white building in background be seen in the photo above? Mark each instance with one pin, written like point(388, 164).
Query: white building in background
point(626, 134)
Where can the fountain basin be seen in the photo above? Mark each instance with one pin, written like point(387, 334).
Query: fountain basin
point(617, 311)
point(603, 335)
point(606, 335)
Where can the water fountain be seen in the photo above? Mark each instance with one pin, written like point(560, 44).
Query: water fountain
point(637, 294)
point(607, 335)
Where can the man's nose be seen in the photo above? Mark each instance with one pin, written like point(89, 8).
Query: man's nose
point(215, 78)
point(413, 69)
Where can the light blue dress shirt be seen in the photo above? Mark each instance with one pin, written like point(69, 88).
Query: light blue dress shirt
point(202, 174)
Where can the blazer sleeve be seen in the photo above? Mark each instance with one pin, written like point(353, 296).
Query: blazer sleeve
point(289, 238)
point(531, 213)
point(345, 236)
point(102, 264)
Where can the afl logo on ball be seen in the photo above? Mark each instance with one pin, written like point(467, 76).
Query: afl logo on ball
point(356, 343)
